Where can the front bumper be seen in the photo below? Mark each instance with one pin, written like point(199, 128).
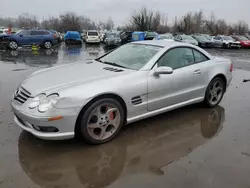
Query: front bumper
point(235, 45)
point(30, 121)
point(245, 45)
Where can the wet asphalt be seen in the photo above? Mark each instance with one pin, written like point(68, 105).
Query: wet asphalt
point(189, 147)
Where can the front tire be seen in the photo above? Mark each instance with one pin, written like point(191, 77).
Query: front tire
point(13, 45)
point(101, 121)
point(215, 92)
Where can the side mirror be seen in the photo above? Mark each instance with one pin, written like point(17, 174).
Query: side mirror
point(20, 35)
point(163, 70)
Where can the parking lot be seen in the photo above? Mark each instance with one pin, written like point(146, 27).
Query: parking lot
point(189, 147)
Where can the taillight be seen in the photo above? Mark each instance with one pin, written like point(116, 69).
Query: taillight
point(231, 67)
point(55, 36)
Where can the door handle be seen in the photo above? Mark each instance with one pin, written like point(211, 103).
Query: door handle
point(198, 71)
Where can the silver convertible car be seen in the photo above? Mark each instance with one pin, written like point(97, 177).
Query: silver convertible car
point(92, 100)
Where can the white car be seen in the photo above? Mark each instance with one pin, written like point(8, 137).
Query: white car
point(3, 31)
point(223, 41)
point(92, 37)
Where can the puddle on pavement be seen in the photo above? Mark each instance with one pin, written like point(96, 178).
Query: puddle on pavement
point(143, 147)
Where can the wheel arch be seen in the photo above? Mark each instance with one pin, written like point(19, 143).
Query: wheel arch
point(96, 98)
point(223, 77)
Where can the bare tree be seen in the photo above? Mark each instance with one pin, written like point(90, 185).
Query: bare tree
point(70, 21)
point(221, 27)
point(28, 20)
point(198, 19)
point(211, 24)
point(145, 19)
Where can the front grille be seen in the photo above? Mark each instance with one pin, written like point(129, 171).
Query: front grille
point(21, 95)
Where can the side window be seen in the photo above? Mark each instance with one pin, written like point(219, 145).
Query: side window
point(44, 32)
point(24, 33)
point(35, 33)
point(219, 38)
point(199, 57)
point(177, 58)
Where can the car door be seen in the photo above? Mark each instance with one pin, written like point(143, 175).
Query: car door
point(38, 37)
point(24, 37)
point(186, 83)
point(218, 42)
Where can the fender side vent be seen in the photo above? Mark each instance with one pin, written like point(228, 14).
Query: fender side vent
point(136, 100)
point(113, 69)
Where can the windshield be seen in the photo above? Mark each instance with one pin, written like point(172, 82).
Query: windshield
point(19, 32)
point(201, 38)
point(227, 38)
point(187, 37)
point(131, 56)
point(207, 37)
point(242, 38)
point(92, 33)
point(112, 35)
point(165, 37)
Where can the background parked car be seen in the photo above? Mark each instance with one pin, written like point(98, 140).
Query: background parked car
point(245, 42)
point(42, 38)
point(92, 36)
point(126, 36)
point(223, 41)
point(167, 37)
point(247, 36)
point(186, 39)
point(56, 35)
point(138, 36)
point(150, 35)
point(202, 41)
point(112, 39)
point(72, 37)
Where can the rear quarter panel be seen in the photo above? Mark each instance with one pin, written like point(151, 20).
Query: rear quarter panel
point(219, 66)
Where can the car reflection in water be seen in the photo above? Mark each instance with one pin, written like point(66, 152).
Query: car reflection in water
point(143, 147)
point(31, 57)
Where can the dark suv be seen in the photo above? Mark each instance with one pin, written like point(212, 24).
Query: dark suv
point(41, 38)
point(126, 36)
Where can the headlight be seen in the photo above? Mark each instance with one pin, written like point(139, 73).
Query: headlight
point(43, 102)
point(36, 101)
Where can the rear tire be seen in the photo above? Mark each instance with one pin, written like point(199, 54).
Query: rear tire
point(47, 45)
point(94, 125)
point(215, 92)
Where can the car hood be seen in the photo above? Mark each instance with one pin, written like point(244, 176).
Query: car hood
point(191, 41)
point(3, 34)
point(204, 41)
point(59, 77)
point(232, 41)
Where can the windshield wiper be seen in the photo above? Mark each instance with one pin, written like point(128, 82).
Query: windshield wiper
point(111, 63)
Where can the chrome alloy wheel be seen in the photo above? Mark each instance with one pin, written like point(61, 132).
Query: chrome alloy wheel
point(13, 45)
point(103, 121)
point(215, 92)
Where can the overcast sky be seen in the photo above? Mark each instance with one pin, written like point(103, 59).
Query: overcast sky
point(120, 10)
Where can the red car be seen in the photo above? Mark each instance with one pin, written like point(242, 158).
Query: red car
point(245, 42)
